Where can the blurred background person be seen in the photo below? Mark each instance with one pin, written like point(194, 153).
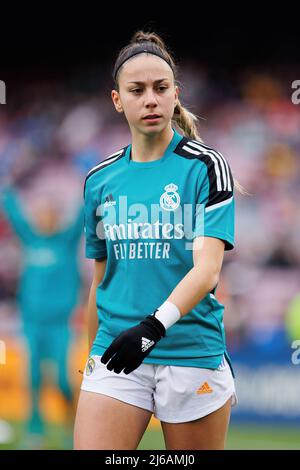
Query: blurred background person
point(48, 292)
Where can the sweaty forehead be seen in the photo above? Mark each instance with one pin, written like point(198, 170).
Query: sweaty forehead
point(145, 68)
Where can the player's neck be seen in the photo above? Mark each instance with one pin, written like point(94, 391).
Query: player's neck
point(150, 148)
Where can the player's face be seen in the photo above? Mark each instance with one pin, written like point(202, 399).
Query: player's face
point(46, 219)
point(146, 86)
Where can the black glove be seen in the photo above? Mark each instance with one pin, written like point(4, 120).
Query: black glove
point(130, 348)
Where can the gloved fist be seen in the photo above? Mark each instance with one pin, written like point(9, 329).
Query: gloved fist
point(130, 348)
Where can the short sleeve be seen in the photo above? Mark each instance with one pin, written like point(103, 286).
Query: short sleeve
point(95, 244)
point(215, 206)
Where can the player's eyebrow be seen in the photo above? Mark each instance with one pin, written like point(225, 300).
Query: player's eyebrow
point(156, 81)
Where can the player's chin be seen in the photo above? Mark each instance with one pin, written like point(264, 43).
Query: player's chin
point(153, 128)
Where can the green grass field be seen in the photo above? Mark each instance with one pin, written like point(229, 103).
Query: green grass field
point(239, 437)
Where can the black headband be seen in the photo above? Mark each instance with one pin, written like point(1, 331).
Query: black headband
point(149, 48)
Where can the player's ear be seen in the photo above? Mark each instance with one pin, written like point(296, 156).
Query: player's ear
point(115, 96)
point(176, 95)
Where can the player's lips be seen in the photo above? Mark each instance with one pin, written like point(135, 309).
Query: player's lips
point(152, 117)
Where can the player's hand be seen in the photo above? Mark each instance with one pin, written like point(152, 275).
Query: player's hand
point(130, 348)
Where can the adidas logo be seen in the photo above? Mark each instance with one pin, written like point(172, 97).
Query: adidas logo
point(109, 201)
point(222, 365)
point(205, 388)
point(146, 344)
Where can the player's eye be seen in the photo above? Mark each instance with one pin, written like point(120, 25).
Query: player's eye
point(136, 90)
point(162, 88)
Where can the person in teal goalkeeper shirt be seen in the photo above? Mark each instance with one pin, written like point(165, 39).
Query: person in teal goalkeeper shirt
point(48, 290)
point(159, 214)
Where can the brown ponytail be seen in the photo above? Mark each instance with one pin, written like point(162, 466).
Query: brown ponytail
point(142, 36)
point(186, 121)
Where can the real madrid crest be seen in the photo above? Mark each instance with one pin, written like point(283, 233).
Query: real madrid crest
point(90, 366)
point(170, 200)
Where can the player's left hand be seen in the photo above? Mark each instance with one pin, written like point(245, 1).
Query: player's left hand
point(130, 348)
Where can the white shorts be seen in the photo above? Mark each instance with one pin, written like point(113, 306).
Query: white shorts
point(174, 394)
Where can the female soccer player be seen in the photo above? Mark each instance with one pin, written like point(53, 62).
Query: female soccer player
point(159, 214)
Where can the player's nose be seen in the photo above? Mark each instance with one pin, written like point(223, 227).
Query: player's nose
point(150, 98)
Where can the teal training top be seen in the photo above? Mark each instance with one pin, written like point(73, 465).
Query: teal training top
point(49, 286)
point(143, 217)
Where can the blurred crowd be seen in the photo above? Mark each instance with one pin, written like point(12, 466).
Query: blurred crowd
point(53, 132)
